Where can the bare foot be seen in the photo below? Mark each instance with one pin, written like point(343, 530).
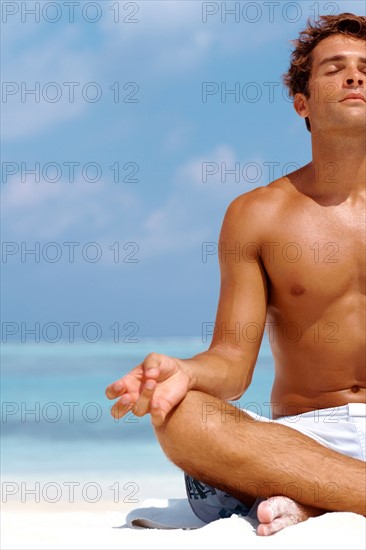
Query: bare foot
point(278, 512)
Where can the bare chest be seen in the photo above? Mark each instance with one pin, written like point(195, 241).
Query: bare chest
point(318, 261)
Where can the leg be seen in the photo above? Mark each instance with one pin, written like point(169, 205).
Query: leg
point(222, 446)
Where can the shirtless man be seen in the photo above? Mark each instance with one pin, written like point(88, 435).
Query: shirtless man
point(301, 272)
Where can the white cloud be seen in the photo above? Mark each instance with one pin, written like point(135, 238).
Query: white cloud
point(190, 213)
point(194, 210)
point(177, 137)
point(170, 37)
point(185, 55)
point(44, 68)
point(222, 174)
point(171, 229)
point(173, 36)
point(151, 17)
point(55, 210)
point(202, 169)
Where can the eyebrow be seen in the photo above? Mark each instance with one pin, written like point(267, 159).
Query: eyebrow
point(333, 58)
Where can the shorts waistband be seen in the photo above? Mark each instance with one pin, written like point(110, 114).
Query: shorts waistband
point(357, 409)
point(351, 409)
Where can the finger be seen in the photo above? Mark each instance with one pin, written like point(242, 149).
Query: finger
point(151, 372)
point(122, 406)
point(158, 413)
point(116, 389)
point(151, 364)
point(142, 405)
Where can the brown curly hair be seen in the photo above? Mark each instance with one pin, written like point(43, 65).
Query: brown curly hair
point(297, 77)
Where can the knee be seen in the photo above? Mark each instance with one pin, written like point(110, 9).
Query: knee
point(180, 417)
point(180, 431)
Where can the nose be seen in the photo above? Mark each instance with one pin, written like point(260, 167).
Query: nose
point(351, 81)
point(355, 78)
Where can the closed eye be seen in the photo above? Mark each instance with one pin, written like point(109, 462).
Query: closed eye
point(333, 69)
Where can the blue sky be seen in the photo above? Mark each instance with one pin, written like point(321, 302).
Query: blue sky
point(113, 169)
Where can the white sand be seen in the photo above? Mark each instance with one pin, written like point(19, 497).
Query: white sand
point(24, 527)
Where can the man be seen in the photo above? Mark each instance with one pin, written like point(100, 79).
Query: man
point(302, 273)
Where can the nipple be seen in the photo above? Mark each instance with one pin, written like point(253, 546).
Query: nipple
point(297, 290)
point(355, 388)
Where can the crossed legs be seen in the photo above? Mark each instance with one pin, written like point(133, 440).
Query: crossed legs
point(249, 459)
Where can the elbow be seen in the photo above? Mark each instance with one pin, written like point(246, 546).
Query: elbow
point(242, 389)
point(238, 369)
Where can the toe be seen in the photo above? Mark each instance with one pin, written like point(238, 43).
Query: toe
point(265, 529)
point(270, 509)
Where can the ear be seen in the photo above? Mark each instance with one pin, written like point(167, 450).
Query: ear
point(301, 105)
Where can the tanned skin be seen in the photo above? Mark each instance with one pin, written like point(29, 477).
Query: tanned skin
point(301, 275)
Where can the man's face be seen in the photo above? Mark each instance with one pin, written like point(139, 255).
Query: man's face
point(336, 99)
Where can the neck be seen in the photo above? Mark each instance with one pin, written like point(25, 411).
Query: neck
point(339, 164)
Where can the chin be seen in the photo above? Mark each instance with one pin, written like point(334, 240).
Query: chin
point(351, 125)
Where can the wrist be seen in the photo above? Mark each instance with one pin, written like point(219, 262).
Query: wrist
point(187, 367)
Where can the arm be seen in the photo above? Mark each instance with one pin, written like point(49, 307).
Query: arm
point(225, 370)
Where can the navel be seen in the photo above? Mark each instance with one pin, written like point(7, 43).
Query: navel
point(355, 388)
point(297, 290)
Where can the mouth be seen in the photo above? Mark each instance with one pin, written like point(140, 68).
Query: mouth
point(354, 97)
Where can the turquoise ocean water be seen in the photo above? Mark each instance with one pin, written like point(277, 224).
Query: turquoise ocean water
point(56, 424)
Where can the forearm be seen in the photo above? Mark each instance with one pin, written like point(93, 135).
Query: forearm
point(221, 371)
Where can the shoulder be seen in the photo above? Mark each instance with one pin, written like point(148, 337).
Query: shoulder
point(258, 208)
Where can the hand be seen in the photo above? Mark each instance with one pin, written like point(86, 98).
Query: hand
point(155, 386)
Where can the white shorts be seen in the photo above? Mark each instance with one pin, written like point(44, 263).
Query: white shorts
point(342, 429)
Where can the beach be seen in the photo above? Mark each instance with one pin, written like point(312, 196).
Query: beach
point(103, 527)
point(71, 475)
point(82, 511)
